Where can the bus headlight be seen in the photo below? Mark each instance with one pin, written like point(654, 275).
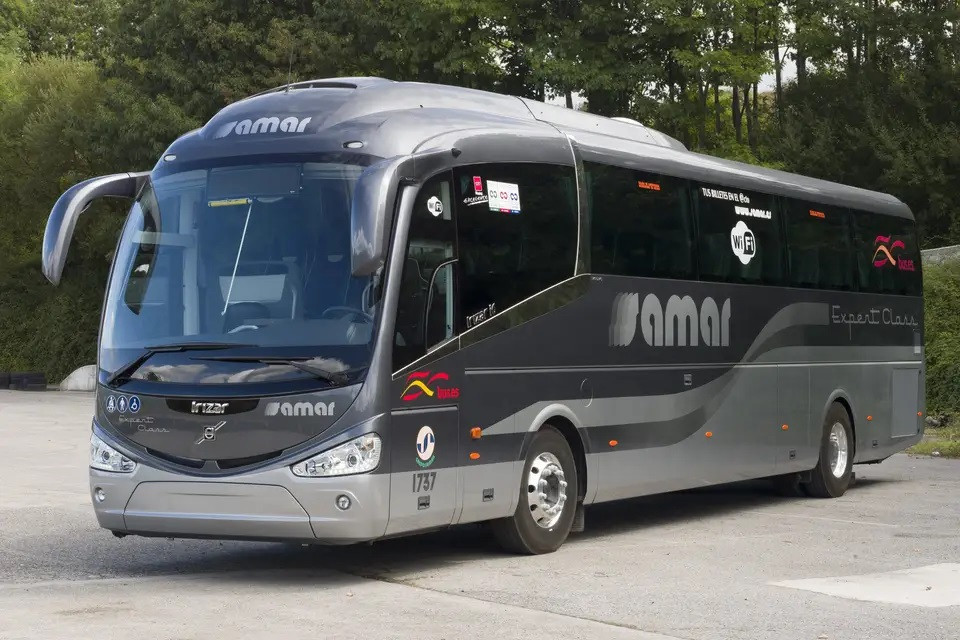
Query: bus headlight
point(357, 456)
point(106, 458)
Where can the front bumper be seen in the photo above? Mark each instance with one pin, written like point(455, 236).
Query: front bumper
point(272, 504)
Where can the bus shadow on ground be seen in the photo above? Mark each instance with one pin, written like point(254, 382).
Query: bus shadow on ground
point(393, 560)
point(407, 558)
point(694, 504)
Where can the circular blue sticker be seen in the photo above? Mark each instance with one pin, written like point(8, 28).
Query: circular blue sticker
point(134, 404)
point(122, 404)
point(111, 404)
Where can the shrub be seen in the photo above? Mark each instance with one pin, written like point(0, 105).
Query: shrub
point(941, 285)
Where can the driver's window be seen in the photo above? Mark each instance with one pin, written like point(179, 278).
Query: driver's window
point(426, 302)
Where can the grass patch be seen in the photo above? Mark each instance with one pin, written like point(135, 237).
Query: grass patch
point(943, 441)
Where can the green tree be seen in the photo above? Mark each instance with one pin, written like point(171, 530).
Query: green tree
point(61, 123)
point(72, 29)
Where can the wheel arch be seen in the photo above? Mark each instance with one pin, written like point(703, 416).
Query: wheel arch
point(564, 420)
point(841, 397)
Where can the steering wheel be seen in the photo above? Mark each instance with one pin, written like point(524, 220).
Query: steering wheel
point(345, 311)
point(243, 327)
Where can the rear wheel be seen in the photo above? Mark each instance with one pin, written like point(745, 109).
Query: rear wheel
point(547, 500)
point(831, 477)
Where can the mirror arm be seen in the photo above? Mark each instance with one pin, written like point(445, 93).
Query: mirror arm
point(74, 201)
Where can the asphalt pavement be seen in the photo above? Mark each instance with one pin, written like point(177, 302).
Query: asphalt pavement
point(733, 562)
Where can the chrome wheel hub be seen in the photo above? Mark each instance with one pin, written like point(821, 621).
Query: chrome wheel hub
point(546, 490)
point(839, 450)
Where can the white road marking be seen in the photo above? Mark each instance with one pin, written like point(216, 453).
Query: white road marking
point(936, 585)
point(857, 522)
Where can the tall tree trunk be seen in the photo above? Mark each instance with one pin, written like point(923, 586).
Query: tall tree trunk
point(801, 23)
point(778, 68)
point(702, 89)
point(716, 88)
point(716, 108)
point(737, 114)
point(848, 48)
point(569, 96)
point(746, 111)
point(752, 112)
point(755, 133)
point(683, 122)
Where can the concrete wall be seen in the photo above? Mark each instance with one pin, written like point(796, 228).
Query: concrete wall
point(940, 254)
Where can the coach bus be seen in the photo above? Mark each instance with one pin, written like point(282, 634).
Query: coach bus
point(351, 309)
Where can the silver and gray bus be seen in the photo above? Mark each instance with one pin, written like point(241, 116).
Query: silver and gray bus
point(351, 309)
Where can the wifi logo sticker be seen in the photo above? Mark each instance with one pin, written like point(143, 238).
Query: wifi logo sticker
point(743, 242)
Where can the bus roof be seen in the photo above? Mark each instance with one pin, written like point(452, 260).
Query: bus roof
point(401, 118)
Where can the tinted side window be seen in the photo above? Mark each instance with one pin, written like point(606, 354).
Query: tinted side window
point(887, 253)
point(739, 235)
point(818, 246)
point(430, 243)
point(640, 223)
point(518, 233)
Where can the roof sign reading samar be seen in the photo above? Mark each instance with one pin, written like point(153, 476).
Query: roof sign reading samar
point(264, 124)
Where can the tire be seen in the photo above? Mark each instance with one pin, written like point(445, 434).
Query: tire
point(522, 533)
point(824, 482)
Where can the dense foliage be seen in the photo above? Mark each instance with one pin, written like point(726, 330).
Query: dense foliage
point(95, 86)
point(942, 288)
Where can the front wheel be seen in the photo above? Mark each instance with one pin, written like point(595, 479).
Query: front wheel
point(547, 501)
point(831, 477)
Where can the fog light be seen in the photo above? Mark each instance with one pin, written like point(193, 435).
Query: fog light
point(99, 494)
point(343, 502)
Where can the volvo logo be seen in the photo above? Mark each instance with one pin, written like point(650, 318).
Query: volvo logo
point(209, 408)
point(210, 433)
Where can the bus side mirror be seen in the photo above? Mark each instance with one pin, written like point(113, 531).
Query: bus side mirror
point(370, 216)
point(74, 201)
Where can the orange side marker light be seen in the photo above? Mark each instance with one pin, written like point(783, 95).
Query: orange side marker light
point(784, 427)
point(476, 433)
point(869, 418)
point(474, 456)
point(709, 434)
point(614, 443)
point(920, 413)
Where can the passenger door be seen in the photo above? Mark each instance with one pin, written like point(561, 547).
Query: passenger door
point(425, 408)
point(517, 237)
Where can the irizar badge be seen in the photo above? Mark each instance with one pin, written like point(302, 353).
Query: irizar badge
point(425, 445)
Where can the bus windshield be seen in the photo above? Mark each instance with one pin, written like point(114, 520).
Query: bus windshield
point(256, 255)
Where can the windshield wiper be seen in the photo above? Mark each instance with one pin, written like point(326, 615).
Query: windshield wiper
point(338, 378)
point(130, 368)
